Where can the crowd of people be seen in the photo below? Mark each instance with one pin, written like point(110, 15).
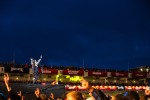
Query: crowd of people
point(94, 94)
point(78, 83)
point(107, 83)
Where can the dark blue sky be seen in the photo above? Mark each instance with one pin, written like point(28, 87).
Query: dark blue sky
point(105, 33)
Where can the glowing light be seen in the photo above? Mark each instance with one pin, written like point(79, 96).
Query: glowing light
point(67, 76)
point(75, 78)
point(147, 69)
point(16, 78)
point(57, 76)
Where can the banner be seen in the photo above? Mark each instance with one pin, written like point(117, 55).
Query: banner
point(139, 75)
point(135, 88)
point(16, 69)
point(73, 72)
point(92, 73)
point(119, 74)
point(108, 88)
point(48, 71)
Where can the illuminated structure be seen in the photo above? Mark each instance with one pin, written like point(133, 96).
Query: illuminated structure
point(70, 75)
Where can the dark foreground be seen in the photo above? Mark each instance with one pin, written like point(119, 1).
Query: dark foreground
point(28, 89)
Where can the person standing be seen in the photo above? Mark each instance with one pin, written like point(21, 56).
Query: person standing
point(35, 64)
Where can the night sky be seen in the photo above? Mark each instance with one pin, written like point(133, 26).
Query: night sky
point(94, 33)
